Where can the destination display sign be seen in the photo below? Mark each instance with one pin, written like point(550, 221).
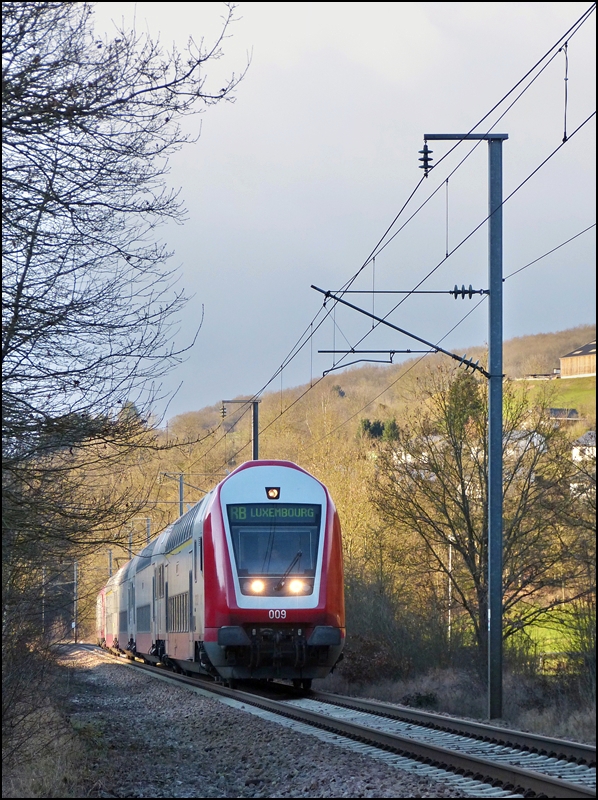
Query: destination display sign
point(281, 513)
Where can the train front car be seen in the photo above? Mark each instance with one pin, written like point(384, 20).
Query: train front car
point(274, 597)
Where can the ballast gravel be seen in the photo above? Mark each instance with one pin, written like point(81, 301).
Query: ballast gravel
point(149, 739)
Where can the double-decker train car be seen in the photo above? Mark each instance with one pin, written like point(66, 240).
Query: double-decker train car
point(247, 584)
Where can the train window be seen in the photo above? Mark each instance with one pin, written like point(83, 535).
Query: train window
point(280, 540)
point(197, 556)
point(160, 581)
point(178, 613)
point(143, 619)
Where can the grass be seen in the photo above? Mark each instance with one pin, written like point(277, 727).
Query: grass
point(578, 393)
point(549, 634)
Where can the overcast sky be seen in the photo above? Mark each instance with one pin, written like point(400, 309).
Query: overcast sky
point(296, 182)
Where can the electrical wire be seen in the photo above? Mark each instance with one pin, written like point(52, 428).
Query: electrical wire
point(312, 327)
point(567, 36)
point(416, 361)
point(421, 358)
point(301, 342)
point(472, 232)
point(554, 249)
point(545, 161)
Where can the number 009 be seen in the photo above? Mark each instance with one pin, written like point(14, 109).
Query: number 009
point(277, 613)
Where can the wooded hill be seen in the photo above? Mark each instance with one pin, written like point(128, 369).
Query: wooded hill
point(386, 391)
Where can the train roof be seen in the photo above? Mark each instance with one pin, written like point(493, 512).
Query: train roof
point(167, 540)
point(182, 529)
point(145, 556)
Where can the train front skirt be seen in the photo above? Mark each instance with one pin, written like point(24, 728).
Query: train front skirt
point(279, 651)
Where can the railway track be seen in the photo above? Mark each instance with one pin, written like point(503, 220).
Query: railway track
point(489, 761)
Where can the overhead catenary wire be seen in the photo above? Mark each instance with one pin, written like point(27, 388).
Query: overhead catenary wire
point(412, 366)
point(421, 358)
point(471, 233)
point(567, 36)
point(302, 341)
point(554, 249)
point(322, 313)
point(545, 161)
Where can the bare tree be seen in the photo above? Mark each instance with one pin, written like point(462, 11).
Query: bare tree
point(433, 482)
point(87, 128)
point(89, 305)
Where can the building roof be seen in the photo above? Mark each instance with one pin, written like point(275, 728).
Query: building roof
point(564, 413)
point(586, 350)
point(587, 440)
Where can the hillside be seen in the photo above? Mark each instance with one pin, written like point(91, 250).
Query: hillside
point(540, 353)
point(385, 391)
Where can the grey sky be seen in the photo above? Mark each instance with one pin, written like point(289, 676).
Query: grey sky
point(296, 181)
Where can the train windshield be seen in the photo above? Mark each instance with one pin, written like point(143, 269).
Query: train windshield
point(275, 540)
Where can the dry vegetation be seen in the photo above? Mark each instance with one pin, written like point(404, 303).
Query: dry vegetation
point(49, 754)
point(549, 708)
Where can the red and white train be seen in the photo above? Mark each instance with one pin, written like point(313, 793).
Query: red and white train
point(247, 584)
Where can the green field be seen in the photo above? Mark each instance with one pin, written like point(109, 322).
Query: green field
point(577, 393)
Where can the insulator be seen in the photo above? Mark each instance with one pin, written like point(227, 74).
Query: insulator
point(426, 159)
point(462, 292)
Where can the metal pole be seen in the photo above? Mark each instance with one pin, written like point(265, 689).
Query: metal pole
point(450, 592)
point(495, 378)
point(109, 563)
point(75, 602)
point(43, 601)
point(254, 426)
point(148, 528)
point(131, 541)
point(255, 430)
point(181, 494)
point(495, 271)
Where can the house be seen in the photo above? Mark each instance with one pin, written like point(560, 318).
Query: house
point(583, 454)
point(564, 414)
point(584, 447)
point(580, 363)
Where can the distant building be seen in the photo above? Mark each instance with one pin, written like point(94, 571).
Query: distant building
point(584, 447)
point(580, 363)
point(542, 376)
point(564, 414)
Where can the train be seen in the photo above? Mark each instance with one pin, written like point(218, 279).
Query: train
point(248, 584)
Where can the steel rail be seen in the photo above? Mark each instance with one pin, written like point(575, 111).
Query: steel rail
point(560, 748)
point(510, 777)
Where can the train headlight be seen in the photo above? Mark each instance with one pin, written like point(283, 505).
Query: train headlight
point(257, 587)
point(297, 587)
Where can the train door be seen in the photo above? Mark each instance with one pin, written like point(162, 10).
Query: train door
point(198, 589)
point(158, 583)
point(190, 607)
point(166, 614)
point(154, 625)
point(131, 615)
point(110, 626)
